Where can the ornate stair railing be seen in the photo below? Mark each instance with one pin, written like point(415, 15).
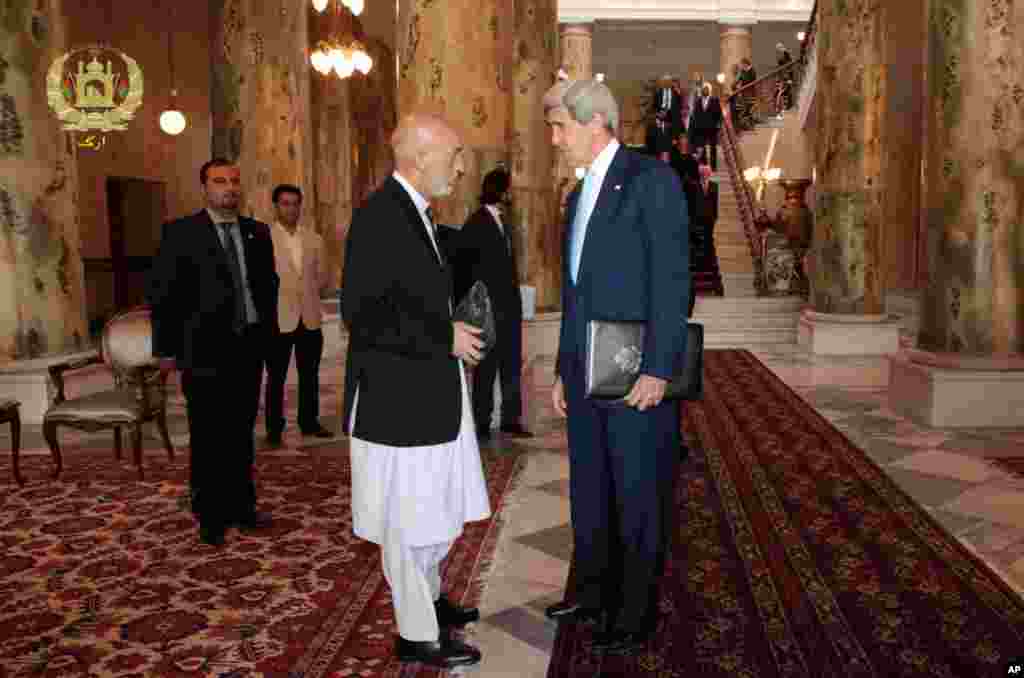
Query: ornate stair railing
point(745, 199)
point(762, 95)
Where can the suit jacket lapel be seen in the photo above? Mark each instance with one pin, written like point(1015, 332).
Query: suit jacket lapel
point(607, 204)
point(414, 218)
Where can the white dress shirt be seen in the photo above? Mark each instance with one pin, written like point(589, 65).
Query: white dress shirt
point(421, 206)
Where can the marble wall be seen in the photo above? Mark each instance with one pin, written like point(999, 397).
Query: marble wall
point(849, 275)
point(536, 228)
point(904, 137)
point(975, 178)
point(455, 59)
point(42, 301)
point(260, 96)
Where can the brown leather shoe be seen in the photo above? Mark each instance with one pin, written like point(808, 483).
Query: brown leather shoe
point(445, 653)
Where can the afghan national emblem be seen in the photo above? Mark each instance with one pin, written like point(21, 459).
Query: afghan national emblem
point(94, 89)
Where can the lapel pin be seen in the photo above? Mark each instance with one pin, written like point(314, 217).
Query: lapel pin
point(618, 187)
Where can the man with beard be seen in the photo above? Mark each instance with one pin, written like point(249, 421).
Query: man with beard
point(416, 470)
point(213, 291)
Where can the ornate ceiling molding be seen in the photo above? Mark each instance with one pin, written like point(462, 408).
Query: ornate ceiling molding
point(722, 11)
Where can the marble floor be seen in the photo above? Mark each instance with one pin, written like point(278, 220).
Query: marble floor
point(949, 472)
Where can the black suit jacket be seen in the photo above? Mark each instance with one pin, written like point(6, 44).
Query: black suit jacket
point(192, 295)
point(395, 298)
point(484, 255)
point(634, 265)
point(707, 120)
point(705, 207)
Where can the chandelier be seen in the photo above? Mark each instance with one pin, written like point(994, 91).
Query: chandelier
point(343, 50)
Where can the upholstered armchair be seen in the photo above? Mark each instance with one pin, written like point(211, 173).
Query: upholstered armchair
point(138, 396)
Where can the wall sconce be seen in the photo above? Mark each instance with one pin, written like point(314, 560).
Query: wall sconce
point(720, 78)
point(800, 36)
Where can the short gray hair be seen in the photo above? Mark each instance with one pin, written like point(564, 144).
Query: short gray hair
point(586, 98)
point(554, 98)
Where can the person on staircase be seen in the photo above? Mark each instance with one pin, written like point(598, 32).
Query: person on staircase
point(704, 259)
point(707, 120)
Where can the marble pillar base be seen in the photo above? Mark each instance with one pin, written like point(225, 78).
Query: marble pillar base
point(848, 334)
point(952, 391)
point(28, 381)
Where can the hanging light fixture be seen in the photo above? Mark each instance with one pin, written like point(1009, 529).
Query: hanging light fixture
point(172, 121)
point(343, 51)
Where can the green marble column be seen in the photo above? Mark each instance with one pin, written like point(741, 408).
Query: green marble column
point(261, 96)
point(847, 254)
point(455, 59)
point(535, 217)
point(42, 300)
point(974, 183)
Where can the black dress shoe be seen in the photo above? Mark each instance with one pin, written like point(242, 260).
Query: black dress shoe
point(255, 521)
point(561, 609)
point(618, 642)
point(214, 536)
point(445, 653)
point(450, 616)
point(574, 613)
point(516, 431)
point(318, 432)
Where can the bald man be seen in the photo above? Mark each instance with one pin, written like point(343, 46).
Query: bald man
point(416, 471)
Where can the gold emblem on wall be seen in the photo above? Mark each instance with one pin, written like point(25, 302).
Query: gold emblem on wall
point(94, 89)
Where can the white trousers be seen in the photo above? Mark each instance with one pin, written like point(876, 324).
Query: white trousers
point(414, 575)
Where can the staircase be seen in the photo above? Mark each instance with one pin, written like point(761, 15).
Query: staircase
point(748, 322)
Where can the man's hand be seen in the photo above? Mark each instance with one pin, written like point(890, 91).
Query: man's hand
point(647, 392)
point(466, 345)
point(558, 397)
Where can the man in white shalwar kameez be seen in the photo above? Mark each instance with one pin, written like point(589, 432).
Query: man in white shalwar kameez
point(416, 471)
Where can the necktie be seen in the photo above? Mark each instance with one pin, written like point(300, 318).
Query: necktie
point(579, 225)
point(433, 231)
point(231, 250)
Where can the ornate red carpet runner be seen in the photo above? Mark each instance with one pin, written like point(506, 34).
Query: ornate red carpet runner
point(796, 557)
point(103, 575)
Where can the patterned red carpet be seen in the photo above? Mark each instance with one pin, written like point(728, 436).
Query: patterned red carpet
point(103, 575)
point(796, 556)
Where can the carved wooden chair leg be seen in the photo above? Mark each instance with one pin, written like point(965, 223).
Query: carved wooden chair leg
point(161, 423)
point(50, 433)
point(16, 447)
point(117, 443)
point(137, 447)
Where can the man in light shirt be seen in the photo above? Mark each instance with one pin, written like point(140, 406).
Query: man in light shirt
point(299, 259)
point(417, 477)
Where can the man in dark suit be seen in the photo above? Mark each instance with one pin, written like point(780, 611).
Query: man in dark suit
point(625, 258)
point(704, 214)
point(706, 121)
point(213, 291)
point(416, 471)
point(487, 253)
